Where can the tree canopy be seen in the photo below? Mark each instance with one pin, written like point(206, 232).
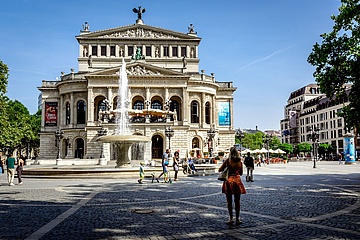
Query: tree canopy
point(17, 126)
point(337, 61)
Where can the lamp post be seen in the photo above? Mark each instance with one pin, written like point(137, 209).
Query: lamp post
point(59, 134)
point(266, 139)
point(314, 136)
point(240, 135)
point(102, 160)
point(210, 135)
point(169, 132)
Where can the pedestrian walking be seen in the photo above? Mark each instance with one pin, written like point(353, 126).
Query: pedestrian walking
point(233, 186)
point(164, 164)
point(2, 164)
point(10, 165)
point(249, 163)
point(340, 158)
point(176, 163)
point(142, 172)
point(19, 170)
point(258, 164)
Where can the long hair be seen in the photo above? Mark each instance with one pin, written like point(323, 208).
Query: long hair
point(234, 155)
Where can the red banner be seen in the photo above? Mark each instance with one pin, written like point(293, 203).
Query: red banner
point(51, 113)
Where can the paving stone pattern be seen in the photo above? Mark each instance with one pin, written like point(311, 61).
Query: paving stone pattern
point(290, 201)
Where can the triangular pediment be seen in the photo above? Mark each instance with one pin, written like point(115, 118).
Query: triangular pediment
point(137, 31)
point(137, 69)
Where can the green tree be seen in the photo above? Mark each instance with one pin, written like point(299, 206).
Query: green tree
point(325, 149)
point(303, 147)
point(337, 61)
point(4, 76)
point(286, 147)
point(274, 142)
point(252, 140)
point(16, 129)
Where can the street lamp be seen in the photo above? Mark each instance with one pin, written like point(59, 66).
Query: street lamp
point(314, 136)
point(169, 132)
point(210, 136)
point(59, 134)
point(266, 139)
point(102, 160)
point(240, 135)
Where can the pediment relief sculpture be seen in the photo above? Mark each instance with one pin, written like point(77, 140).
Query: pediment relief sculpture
point(139, 33)
point(140, 71)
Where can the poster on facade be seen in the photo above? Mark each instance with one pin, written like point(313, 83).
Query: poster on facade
point(292, 119)
point(224, 113)
point(51, 113)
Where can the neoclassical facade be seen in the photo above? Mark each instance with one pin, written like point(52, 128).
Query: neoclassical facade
point(165, 90)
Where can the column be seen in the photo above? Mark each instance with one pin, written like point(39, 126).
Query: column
point(109, 97)
point(185, 105)
point(90, 107)
point(61, 110)
point(202, 115)
point(231, 105)
point(72, 109)
point(213, 120)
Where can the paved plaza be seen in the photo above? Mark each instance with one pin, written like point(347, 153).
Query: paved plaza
point(286, 201)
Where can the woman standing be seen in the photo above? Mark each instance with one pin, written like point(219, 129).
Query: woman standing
point(234, 185)
point(176, 165)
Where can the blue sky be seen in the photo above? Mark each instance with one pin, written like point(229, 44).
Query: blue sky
point(260, 45)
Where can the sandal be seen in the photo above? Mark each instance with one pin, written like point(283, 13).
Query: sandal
point(230, 222)
point(238, 222)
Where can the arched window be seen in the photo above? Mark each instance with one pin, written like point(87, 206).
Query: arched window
point(67, 120)
point(102, 105)
point(194, 112)
point(207, 113)
point(139, 105)
point(156, 105)
point(81, 112)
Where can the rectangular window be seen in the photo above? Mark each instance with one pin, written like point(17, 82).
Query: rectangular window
point(174, 51)
point(112, 50)
point(94, 50)
point(339, 122)
point(340, 143)
point(103, 50)
point(183, 52)
point(148, 51)
point(340, 133)
point(166, 52)
point(130, 51)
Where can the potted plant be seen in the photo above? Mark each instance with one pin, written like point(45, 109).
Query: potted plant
point(285, 159)
point(217, 159)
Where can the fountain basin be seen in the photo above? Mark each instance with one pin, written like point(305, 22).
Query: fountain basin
point(122, 146)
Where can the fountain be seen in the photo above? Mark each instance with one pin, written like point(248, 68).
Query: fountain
point(121, 138)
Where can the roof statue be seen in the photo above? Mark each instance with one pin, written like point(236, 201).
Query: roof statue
point(139, 11)
point(191, 29)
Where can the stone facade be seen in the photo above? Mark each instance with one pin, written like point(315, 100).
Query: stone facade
point(165, 90)
point(308, 108)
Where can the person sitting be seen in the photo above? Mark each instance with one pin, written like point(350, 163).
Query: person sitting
point(192, 165)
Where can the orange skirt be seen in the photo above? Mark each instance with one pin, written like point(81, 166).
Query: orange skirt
point(233, 185)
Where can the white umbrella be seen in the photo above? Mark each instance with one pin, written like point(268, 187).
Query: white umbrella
point(279, 151)
point(263, 150)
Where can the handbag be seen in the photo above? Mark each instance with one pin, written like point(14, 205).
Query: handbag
point(223, 176)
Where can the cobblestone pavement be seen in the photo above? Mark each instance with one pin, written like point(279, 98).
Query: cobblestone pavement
point(286, 201)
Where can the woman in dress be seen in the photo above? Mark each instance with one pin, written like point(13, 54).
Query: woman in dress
point(176, 165)
point(233, 186)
